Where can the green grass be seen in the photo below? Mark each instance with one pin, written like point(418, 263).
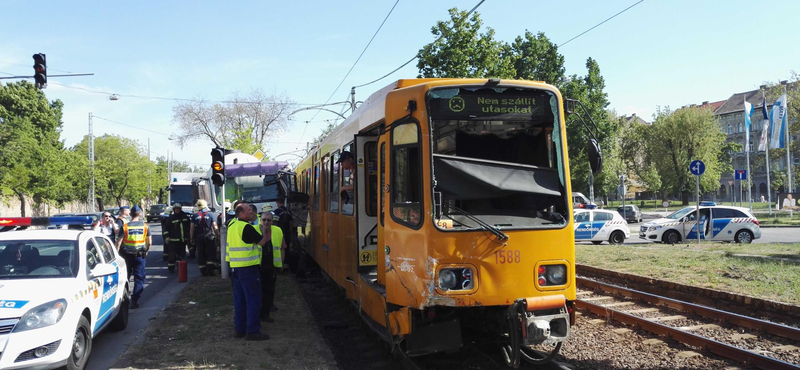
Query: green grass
point(769, 271)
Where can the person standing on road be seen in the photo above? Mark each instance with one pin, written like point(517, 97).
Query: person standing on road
point(274, 252)
point(165, 232)
point(107, 226)
point(133, 247)
point(244, 252)
point(203, 231)
point(179, 225)
point(123, 218)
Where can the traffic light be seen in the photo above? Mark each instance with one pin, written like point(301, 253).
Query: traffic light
point(40, 70)
point(218, 166)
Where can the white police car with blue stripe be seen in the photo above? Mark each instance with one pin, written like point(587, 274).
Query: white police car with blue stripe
point(58, 290)
point(599, 225)
point(717, 223)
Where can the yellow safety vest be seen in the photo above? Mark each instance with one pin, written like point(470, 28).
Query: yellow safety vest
point(239, 253)
point(277, 239)
point(134, 234)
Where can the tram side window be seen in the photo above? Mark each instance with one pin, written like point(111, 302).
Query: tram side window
point(316, 187)
point(371, 171)
point(334, 182)
point(406, 175)
point(347, 184)
point(383, 177)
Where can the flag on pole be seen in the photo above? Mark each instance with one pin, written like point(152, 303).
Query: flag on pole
point(748, 110)
point(762, 145)
point(777, 118)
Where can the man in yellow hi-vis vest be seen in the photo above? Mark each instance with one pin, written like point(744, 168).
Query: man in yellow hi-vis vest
point(274, 252)
point(243, 252)
point(133, 247)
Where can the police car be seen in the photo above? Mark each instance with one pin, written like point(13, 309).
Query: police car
point(599, 225)
point(717, 223)
point(58, 290)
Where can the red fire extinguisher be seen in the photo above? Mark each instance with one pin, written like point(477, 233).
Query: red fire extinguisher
point(182, 271)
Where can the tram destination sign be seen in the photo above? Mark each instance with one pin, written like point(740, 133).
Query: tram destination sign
point(520, 104)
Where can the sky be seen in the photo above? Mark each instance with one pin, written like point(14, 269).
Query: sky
point(656, 54)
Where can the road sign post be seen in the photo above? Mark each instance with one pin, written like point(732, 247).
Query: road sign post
point(697, 167)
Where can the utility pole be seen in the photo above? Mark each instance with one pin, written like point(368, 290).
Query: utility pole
point(149, 177)
point(91, 165)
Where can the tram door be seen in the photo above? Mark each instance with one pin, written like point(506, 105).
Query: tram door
point(367, 204)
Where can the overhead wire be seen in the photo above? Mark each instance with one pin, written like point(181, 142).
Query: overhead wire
point(597, 25)
point(131, 126)
point(354, 64)
point(416, 55)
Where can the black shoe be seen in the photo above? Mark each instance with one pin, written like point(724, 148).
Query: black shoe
point(134, 305)
point(256, 336)
point(273, 309)
point(267, 319)
point(237, 334)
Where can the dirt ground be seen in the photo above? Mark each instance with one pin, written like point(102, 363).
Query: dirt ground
point(195, 332)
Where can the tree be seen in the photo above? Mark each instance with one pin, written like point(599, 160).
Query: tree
point(33, 162)
point(462, 51)
point(679, 137)
point(590, 91)
point(536, 58)
point(121, 169)
point(243, 122)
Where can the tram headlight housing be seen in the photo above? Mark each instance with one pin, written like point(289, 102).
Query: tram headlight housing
point(460, 278)
point(550, 275)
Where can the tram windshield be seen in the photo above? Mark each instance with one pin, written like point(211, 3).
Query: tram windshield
point(252, 189)
point(497, 156)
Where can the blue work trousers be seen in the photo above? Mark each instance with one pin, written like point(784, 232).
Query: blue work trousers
point(136, 264)
point(246, 299)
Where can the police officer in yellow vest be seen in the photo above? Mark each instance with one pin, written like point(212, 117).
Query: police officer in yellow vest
point(133, 247)
point(244, 253)
point(274, 250)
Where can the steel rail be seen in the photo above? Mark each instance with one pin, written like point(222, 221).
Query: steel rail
point(719, 348)
point(762, 326)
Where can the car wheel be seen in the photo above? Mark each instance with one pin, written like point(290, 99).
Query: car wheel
point(121, 320)
point(596, 242)
point(671, 237)
point(744, 237)
point(617, 238)
point(81, 346)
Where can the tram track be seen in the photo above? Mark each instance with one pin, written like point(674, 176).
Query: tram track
point(744, 339)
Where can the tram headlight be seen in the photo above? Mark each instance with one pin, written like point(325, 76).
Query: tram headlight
point(447, 279)
point(557, 274)
point(548, 275)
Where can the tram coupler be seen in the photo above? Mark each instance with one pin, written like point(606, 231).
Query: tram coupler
point(545, 320)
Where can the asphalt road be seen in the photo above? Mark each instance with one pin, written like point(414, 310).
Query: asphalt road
point(160, 289)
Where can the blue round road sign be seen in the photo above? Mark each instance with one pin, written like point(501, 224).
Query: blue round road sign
point(697, 167)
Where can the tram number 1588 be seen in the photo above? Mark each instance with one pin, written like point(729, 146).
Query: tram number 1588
point(507, 256)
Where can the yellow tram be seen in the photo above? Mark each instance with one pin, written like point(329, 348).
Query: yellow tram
point(457, 217)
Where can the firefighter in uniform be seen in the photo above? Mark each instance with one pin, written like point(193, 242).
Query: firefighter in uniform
point(202, 232)
point(244, 252)
point(133, 247)
point(179, 229)
point(165, 233)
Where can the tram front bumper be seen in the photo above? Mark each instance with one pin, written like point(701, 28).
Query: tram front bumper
point(546, 320)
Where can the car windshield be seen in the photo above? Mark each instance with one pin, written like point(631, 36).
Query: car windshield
point(31, 259)
point(158, 208)
point(679, 214)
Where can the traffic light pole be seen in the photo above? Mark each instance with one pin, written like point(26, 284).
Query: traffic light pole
point(225, 270)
